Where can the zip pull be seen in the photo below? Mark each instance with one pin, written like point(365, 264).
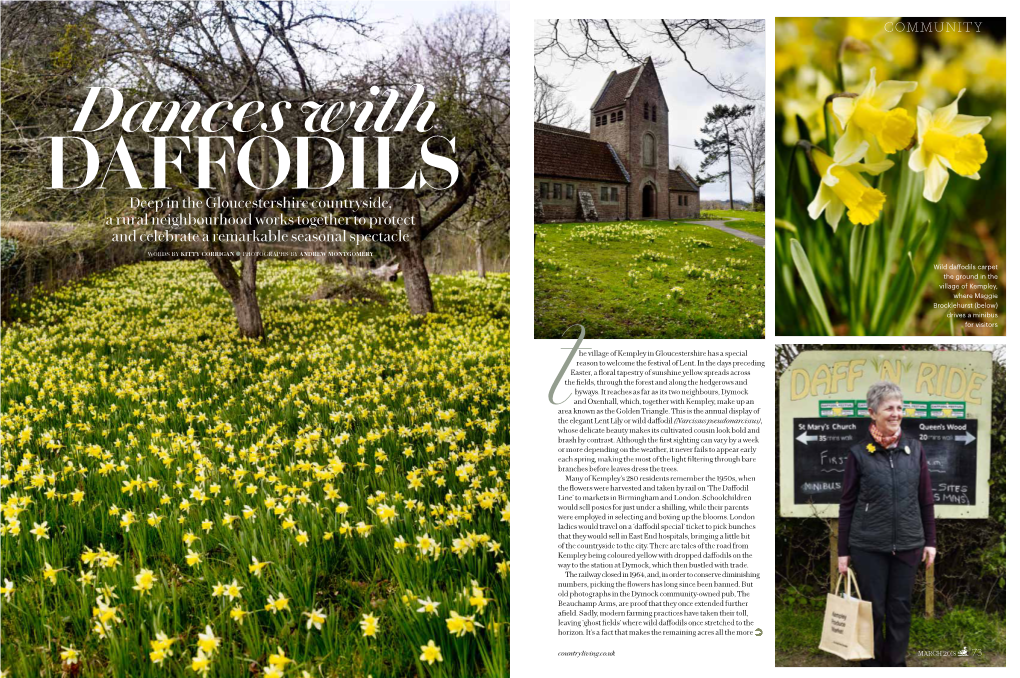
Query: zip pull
point(890, 461)
point(866, 507)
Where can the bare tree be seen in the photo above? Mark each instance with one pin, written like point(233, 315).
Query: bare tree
point(678, 162)
point(210, 52)
point(463, 60)
point(552, 106)
point(749, 151)
point(274, 53)
point(602, 41)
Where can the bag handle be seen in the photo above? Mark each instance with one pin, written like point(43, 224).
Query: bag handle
point(840, 581)
point(851, 579)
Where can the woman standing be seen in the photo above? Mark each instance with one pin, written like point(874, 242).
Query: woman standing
point(887, 521)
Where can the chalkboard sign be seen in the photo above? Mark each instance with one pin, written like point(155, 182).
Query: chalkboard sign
point(823, 412)
point(821, 446)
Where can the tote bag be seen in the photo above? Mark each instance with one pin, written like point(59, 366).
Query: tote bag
point(848, 629)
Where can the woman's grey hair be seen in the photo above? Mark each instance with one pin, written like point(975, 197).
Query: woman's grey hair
point(882, 391)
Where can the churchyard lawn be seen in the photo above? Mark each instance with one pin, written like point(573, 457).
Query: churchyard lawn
point(647, 279)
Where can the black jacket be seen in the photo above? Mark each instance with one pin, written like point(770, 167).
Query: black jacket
point(887, 517)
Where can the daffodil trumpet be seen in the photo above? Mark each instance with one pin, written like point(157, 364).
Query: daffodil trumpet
point(843, 189)
point(947, 140)
point(874, 116)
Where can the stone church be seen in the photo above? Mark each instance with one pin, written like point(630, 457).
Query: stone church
point(620, 169)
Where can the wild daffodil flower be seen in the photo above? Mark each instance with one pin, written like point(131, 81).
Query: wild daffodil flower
point(201, 663)
point(872, 116)
point(843, 188)
point(208, 642)
point(947, 140)
point(369, 625)
point(431, 653)
point(144, 581)
point(316, 618)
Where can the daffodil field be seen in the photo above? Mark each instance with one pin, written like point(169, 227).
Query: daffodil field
point(890, 166)
point(332, 501)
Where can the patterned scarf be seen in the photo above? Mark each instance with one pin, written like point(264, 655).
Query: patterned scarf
point(886, 441)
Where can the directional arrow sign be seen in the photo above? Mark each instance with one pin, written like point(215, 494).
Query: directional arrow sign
point(805, 438)
point(757, 632)
point(966, 439)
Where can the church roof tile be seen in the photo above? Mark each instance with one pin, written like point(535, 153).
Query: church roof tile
point(571, 154)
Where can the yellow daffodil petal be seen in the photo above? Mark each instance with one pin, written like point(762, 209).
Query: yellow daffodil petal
point(888, 94)
point(964, 154)
point(935, 179)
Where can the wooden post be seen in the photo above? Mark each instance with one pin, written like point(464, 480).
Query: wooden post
point(833, 553)
point(929, 592)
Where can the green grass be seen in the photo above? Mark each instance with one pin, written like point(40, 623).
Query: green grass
point(648, 279)
point(752, 227)
point(799, 628)
point(757, 217)
point(133, 388)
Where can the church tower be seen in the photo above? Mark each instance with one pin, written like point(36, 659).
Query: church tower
point(630, 114)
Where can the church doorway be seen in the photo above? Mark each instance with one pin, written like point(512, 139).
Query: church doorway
point(648, 202)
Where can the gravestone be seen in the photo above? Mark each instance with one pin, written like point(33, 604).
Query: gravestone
point(539, 210)
point(588, 210)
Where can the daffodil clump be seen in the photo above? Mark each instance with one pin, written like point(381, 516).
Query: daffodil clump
point(649, 255)
point(874, 127)
point(179, 501)
point(606, 233)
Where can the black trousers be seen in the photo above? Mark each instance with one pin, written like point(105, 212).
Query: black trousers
point(887, 582)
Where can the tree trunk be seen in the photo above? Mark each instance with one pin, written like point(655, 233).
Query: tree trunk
point(246, 306)
point(729, 167)
point(480, 252)
point(416, 278)
point(243, 293)
point(249, 315)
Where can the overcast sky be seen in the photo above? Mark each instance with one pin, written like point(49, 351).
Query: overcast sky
point(392, 19)
point(688, 96)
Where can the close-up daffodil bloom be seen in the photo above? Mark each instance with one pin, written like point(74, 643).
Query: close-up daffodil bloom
point(873, 116)
point(843, 188)
point(891, 109)
point(947, 140)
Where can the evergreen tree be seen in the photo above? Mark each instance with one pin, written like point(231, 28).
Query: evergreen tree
point(721, 125)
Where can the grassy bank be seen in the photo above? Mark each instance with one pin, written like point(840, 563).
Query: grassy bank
point(754, 217)
point(648, 279)
point(799, 628)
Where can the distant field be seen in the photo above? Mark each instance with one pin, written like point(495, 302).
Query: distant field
point(752, 227)
point(648, 279)
point(757, 217)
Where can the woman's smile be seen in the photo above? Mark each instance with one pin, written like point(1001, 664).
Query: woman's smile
point(888, 416)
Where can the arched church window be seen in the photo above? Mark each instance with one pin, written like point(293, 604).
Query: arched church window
point(648, 150)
